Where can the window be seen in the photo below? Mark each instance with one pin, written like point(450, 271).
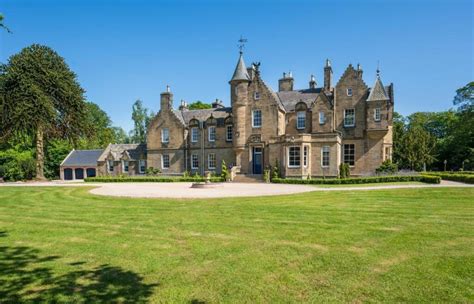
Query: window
point(322, 118)
point(194, 134)
point(325, 156)
point(165, 135)
point(294, 157)
point(256, 95)
point(110, 165)
point(349, 154)
point(142, 165)
point(211, 161)
point(165, 161)
point(194, 161)
point(212, 133)
point(256, 118)
point(228, 133)
point(388, 153)
point(300, 120)
point(349, 91)
point(125, 165)
point(305, 156)
point(349, 117)
point(377, 114)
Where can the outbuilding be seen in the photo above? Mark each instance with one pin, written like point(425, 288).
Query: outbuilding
point(80, 164)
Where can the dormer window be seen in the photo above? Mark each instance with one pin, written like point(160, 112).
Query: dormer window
point(212, 134)
point(322, 118)
point(349, 91)
point(125, 166)
point(256, 95)
point(300, 120)
point(165, 135)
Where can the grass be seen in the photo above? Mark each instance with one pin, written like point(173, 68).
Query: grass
point(367, 185)
point(404, 245)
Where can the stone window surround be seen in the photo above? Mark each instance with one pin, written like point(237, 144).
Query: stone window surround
point(325, 156)
point(125, 166)
point(194, 160)
point(165, 161)
point(165, 135)
point(377, 116)
point(256, 95)
point(227, 132)
point(211, 161)
point(322, 118)
point(346, 117)
point(348, 158)
point(257, 119)
point(305, 156)
point(194, 134)
point(211, 133)
point(141, 166)
point(349, 92)
point(301, 118)
point(296, 158)
point(110, 165)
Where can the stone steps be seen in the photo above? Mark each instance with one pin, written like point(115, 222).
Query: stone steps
point(248, 178)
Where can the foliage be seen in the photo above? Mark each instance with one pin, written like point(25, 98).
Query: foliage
point(276, 170)
point(121, 136)
point(362, 180)
point(199, 105)
point(387, 167)
point(464, 98)
point(152, 171)
point(225, 174)
point(344, 170)
point(457, 177)
point(41, 97)
point(56, 151)
point(17, 164)
point(141, 120)
point(266, 175)
point(2, 25)
point(152, 179)
point(98, 129)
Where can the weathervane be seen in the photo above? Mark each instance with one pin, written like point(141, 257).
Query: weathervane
point(242, 42)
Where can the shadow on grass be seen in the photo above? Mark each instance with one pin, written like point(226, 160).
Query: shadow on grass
point(25, 277)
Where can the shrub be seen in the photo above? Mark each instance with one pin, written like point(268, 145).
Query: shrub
point(266, 175)
point(225, 174)
point(387, 167)
point(344, 170)
point(456, 177)
point(429, 179)
point(17, 165)
point(276, 170)
point(148, 179)
point(152, 171)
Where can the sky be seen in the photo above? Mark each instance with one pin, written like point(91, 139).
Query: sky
point(122, 50)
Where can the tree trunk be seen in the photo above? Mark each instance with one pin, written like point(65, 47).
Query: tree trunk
point(39, 154)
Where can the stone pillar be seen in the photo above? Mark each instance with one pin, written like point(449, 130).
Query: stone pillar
point(73, 173)
point(85, 172)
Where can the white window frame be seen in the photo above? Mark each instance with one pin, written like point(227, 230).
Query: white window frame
point(289, 159)
point(165, 139)
point(194, 134)
point(305, 156)
point(227, 132)
point(109, 162)
point(141, 164)
point(302, 115)
point(322, 118)
point(344, 154)
point(377, 115)
point(194, 157)
point(209, 160)
point(349, 92)
point(324, 150)
point(346, 117)
point(163, 161)
point(253, 119)
point(211, 134)
point(125, 166)
point(256, 95)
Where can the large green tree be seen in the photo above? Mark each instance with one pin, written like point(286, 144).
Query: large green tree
point(199, 105)
point(141, 119)
point(42, 98)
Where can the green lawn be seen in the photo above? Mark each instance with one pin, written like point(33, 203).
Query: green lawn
point(65, 245)
point(367, 185)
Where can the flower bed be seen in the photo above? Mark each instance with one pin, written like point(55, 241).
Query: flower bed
point(429, 179)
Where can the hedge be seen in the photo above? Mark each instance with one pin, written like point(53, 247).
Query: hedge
point(457, 177)
point(429, 179)
point(148, 179)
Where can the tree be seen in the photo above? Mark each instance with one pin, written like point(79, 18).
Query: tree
point(120, 136)
point(98, 128)
point(198, 105)
point(141, 121)
point(465, 96)
point(2, 25)
point(41, 97)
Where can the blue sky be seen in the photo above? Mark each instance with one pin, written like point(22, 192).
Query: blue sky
point(128, 50)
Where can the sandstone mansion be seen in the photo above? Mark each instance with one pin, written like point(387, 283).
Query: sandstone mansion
point(307, 131)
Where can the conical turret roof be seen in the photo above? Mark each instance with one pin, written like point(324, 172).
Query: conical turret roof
point(240, 72)
point(378, 91)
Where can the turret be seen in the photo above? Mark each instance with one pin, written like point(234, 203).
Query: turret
point(166, 102)
point(239, 98)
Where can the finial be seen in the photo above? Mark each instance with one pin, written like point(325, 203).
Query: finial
point(167, 88)
point(290, 75)
point(378, 69)
point(359, 67)
point(242, 42)
point(328, 63)
point(312, 78)
point(284, 75)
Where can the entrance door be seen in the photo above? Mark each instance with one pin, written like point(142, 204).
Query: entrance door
point(257, 160)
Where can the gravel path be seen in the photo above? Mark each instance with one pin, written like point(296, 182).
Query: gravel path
point(184, 190)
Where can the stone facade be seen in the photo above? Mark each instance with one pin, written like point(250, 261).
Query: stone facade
point(308, 132)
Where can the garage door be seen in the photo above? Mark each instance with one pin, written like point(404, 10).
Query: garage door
point(68, 174)
point(90, 172)
point(79, 173)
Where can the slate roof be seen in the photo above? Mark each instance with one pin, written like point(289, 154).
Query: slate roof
point(204, 114)
point(240, 72)
point(133, 151)
point(82, 158)
point(289, 99)
point(378, 92)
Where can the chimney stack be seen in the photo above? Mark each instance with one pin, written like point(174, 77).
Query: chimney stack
point(166, 102)
point(183, 106)
point(286, 83)
point(312, 82)
point(327, 76)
